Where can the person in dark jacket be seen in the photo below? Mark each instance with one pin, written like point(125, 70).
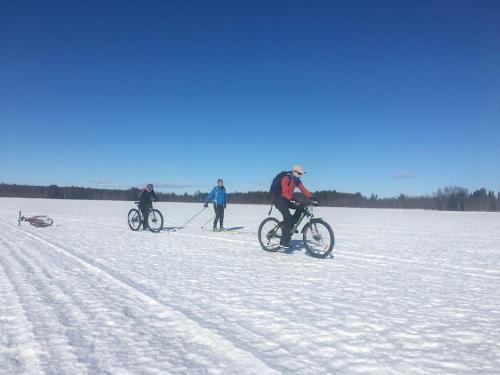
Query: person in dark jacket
point(283, 200)
point(146, 197)
point(218, 197)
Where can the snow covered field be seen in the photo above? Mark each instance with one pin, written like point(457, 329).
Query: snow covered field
point(413, 292)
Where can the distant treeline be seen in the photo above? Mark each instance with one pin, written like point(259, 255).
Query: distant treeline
point(449, 198)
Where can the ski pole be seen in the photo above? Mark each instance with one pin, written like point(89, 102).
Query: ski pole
point(270, 210)
point(209, 220)
point(203, 209)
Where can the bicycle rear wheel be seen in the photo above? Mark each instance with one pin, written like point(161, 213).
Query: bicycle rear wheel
point(270, 234)
point(41, 221)
point(155, 220)
point(134, 219)
point(318, 238)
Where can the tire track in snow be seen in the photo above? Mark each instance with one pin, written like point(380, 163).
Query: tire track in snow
point(257, 338)
point(174, 232)
point(370, 259)
point(40, 312)
point(195, 332)
point(19, 351)
point(467, 271)
point(216, 238)
point(456, 270)
point(246, 336)
point(138, 338)
point(79, 317)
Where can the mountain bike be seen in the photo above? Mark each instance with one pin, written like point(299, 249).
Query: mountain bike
point(135, 219)
point(37, 221)
point(317, 234)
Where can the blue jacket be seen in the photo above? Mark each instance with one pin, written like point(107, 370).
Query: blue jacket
point(218, 196)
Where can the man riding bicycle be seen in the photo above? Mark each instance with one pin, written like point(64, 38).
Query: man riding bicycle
point(282, 190)
point(146, 196)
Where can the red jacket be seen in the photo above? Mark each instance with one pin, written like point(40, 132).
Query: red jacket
point(288, 186)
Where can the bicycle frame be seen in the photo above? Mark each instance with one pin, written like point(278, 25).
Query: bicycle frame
point(307, 211)
point(150, 208)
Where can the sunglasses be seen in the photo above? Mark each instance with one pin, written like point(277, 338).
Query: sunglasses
point(299, 173)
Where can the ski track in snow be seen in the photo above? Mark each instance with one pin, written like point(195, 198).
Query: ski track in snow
point(406, 292)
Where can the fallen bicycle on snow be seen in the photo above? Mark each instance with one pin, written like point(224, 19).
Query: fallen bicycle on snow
point(37, 221)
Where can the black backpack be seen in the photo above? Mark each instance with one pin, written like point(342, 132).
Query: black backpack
point(276, 184)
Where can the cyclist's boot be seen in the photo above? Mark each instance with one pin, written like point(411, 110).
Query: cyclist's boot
point(285, 242)
point(285, 245)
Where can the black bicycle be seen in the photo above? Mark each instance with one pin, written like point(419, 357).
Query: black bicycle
point(37, 221)
point(135, 219)
point(317, 234)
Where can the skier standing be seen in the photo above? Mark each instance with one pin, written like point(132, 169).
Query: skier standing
point(218, 197)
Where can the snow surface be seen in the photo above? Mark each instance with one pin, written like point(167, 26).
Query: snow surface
point(414, 292)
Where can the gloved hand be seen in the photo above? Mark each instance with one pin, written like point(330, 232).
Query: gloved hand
point(205, 205)
point(314, 201)
point(296, 203)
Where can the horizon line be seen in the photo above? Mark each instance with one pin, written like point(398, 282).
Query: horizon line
point(123, 188)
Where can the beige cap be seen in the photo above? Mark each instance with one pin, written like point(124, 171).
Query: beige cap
point(298, 168)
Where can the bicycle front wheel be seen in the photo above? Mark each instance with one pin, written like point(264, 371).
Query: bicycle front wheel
point(134, 219)
point(318, 238)
point(155, 220)
point(270, 234)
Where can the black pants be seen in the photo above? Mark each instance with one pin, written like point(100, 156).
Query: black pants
point(289, 220)
point(219, 215)
point(145, 207)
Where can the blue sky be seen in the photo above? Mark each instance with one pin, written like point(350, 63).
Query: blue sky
point(381, 97)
